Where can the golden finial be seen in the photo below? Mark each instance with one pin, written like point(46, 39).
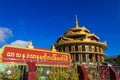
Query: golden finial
point(53, 48)
point(76, 24)
point(30, 45)
point(105, 42)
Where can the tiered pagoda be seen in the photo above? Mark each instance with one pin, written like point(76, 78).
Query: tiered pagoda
point(82, 45)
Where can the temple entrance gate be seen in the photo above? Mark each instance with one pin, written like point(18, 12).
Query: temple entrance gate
point(33, 57)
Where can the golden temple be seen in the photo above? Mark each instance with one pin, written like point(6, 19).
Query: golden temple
point(82, 45)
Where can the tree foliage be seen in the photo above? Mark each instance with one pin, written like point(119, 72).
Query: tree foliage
point(15, 73)
point(38, 74)
point(58, 73)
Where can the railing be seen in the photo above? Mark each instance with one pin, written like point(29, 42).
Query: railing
point(99, 73)
point(117, 68)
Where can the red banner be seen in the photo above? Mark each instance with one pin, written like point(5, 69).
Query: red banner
point(42, 57)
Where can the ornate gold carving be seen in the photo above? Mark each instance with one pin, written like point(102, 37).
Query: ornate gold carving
point(81, 35)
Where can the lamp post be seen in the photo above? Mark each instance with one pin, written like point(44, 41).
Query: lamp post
point(8, 72)
point(47, 72)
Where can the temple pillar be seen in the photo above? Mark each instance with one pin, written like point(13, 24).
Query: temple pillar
point(74, 57)
point(86, 48)
point(93, 48)
point(32, 71)
point(97, 49)
point(98, 58)
point(66, 49)
point(73, 48)
point(93, 58)
point(87, 57)
point(79, 48)
point(101, 50)
point(102, 58)
point(79, 57)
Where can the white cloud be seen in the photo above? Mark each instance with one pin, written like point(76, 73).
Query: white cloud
point(5, 33)
point(21, 43)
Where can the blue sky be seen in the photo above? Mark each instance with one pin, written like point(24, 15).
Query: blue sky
point(43, 21)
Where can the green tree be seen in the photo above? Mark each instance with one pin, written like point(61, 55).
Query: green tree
point(38, 74)
point(73, 74)
point(12, 72)
point(58, 73)
point(53, 75)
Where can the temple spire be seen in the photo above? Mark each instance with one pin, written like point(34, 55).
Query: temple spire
point(76, 23)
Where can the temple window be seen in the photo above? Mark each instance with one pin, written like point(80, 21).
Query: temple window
point(83, 57)
point(90, 57)
point(83, 47)
point(81, 39)
point(96, 57)
point(76, 47)
point(69, 48)
point(60, 49)
point(64, 49)
point(76, 57)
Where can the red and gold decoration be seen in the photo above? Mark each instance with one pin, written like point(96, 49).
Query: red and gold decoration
point(40, 57)
point(33, 57)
